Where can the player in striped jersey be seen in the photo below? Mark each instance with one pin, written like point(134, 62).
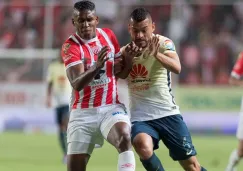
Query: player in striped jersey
point(235, 79)
point(96, 114)
point(154, 113)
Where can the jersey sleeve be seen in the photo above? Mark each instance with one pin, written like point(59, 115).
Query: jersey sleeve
point(237, 71)
point(71, 54)
point(167, 45)
point(114, 41)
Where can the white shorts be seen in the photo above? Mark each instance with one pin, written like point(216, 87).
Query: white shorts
point(87, 128)
point(239, 133)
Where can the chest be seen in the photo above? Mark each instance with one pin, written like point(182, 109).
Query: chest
point(91, 54)
point(145, 67)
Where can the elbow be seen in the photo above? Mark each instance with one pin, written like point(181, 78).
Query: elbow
point(177, 70)
point(76, 87)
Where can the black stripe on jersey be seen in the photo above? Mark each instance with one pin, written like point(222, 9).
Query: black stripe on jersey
point(169, 86)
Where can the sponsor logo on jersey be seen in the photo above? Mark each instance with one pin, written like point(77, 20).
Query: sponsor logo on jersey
point(139, 74)
point(169, 45)
point(100, 82)
point(138, 71)
point(96, 49)
point(65, 48)
point(100, 79)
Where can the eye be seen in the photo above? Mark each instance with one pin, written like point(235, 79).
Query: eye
point(135, 31)
point(89, 19)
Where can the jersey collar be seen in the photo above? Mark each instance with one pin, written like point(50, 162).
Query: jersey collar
point(87, 41)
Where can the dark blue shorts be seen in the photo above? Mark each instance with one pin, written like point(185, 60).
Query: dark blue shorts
point(174, 133)
point(62, 113)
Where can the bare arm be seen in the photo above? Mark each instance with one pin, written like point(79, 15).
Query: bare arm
point(49, 93)
point(170, 61)
point(79, 78)
point(122, 67)
point(49, 89)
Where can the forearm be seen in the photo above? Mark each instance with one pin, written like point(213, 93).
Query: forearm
point(169, 63)
point(125, 71)
point(85, 78)
point(49, 89)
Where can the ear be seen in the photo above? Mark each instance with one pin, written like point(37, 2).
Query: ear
point(129, 27)
point(97, 20)
point(153, 26)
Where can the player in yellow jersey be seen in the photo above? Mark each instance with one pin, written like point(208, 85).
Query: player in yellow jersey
point(154, 113)
point(59, 88)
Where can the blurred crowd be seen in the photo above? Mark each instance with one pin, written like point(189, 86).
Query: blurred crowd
point(208, 37)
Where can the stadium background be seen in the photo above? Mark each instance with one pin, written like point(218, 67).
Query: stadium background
point(208, 36)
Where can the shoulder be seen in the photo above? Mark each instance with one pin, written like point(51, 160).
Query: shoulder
point(108, 32)
point(70, 43)
point(166, 43)
point(164, 40)
point(70, 48)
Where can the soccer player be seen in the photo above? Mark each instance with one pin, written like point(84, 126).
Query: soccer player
point(96, 114)
point(235, 79)
point(59, 87)
point(154, 113)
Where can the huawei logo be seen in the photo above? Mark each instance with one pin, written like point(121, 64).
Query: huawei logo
point(138, 71)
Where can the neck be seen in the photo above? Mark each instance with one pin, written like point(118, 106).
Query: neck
point(88, 37)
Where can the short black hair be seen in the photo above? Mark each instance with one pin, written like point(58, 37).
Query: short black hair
point(140, 14)
point(84, 5)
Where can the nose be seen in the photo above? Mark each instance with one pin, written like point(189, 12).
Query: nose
point(139, 35)
point(86, 24)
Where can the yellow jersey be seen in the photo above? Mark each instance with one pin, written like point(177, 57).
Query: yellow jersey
point(61, 87)
point(149, 85)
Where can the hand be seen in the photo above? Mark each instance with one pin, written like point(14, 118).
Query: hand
point(153, 46)
point(131, 50)
point(102, 57)
point(118, 65)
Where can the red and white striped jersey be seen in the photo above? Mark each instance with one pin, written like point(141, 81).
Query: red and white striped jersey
point(237, 71)
point(102, 90)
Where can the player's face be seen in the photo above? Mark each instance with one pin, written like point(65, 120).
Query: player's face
point(141, 32)
point(85, 23)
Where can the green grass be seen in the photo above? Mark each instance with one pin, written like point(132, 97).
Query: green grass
point(20, 152)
